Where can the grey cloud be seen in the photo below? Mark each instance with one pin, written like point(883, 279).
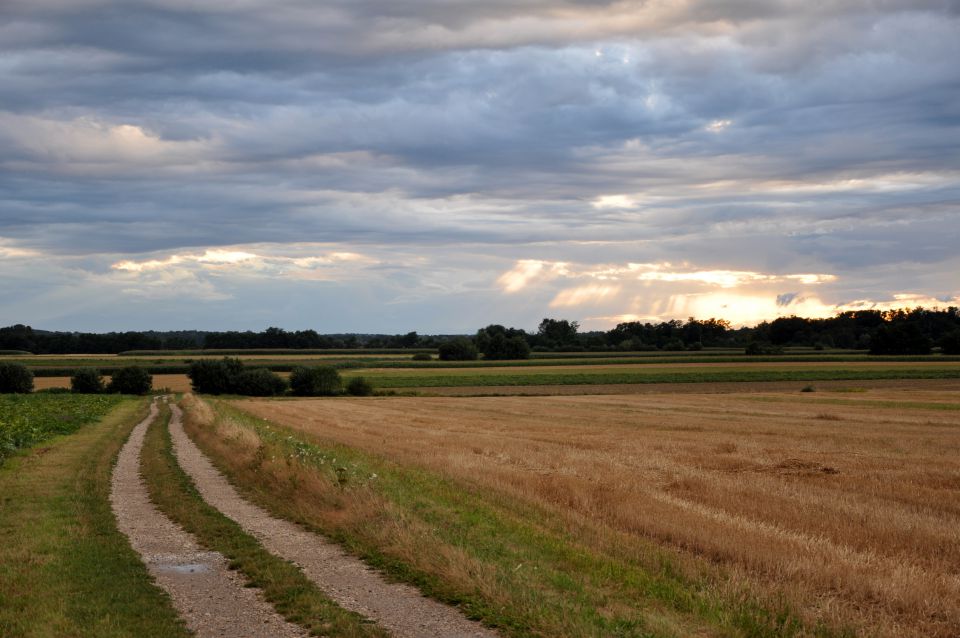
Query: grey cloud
point(763, 134)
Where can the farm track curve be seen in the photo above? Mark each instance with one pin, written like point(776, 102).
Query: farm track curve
point(213, 600)
point(401, 609)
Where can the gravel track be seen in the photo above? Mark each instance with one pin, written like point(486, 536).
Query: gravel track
point(401, 609)
point(212, 599)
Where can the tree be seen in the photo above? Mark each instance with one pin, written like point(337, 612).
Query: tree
point(900, 337)
point(319, 381)
point(458, 349)
point(15, 378)
point(497, 342)
point(214, 377)
point(131, 380)
point(950, 342)
point(558, 332)
point(86, 381)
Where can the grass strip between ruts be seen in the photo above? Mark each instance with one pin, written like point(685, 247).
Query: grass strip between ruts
point(291, 593)
point(67, 570)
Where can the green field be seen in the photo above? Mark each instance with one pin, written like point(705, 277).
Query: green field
point(62, 366)
point(393, 379)
point(66, 569)
point(26, 420)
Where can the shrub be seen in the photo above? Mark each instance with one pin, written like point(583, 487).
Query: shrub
point(131, 380)
point(214, 377)
point(359, 387)
point(315, 382)
point(459, 349)
point(15, 378)
point(258, 382)
point(500, 347)
point(422, 356)
point(758, 347)
point(54, 391)
point(86, 381)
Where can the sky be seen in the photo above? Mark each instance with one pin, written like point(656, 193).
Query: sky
point(440, 165)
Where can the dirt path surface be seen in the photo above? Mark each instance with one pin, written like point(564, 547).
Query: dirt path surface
point(211, 599)
point(400, 609)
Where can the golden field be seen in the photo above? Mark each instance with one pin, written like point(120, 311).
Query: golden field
point(845, 505)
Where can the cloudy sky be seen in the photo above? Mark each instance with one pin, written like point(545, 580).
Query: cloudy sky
point(438, 165)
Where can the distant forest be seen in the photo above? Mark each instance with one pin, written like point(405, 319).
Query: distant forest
point(916, 331)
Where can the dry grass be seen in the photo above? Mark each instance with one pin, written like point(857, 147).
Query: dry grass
point(850, 512)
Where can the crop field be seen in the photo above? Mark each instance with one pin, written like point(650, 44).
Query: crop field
point(753, 513)
point(65, 365)
point(26, 420)
point(498, 376)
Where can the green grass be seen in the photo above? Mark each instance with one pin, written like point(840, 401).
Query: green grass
point(291, 593)
point(557, 580)
point(28, 419)
point(66, 570)
point(107, 364)
point(393, 380)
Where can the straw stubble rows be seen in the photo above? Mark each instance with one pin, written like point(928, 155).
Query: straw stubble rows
point(846, 505)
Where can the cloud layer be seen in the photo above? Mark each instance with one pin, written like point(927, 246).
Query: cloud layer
point(458, 149)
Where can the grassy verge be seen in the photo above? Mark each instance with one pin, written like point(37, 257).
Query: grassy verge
point(67, 571)
point(515, 566)
point(294, 596)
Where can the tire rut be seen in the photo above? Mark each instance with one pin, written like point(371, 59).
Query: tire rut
point(401, 609)
point(212, 599)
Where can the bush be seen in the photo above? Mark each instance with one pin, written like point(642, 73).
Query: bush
point(501, 347)
point(422, 356)
point(214, 377)
point(86, 381)
point(321, 381)
point(53, 391)
point(131, 380)
point(459, 349)
point(258, 382)
point(757, 347)
point(359, 387)
point(15, 378)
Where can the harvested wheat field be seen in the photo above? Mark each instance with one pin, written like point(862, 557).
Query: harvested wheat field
point(844, 505)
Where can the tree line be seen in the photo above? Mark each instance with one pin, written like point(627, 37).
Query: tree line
point(913, 331)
